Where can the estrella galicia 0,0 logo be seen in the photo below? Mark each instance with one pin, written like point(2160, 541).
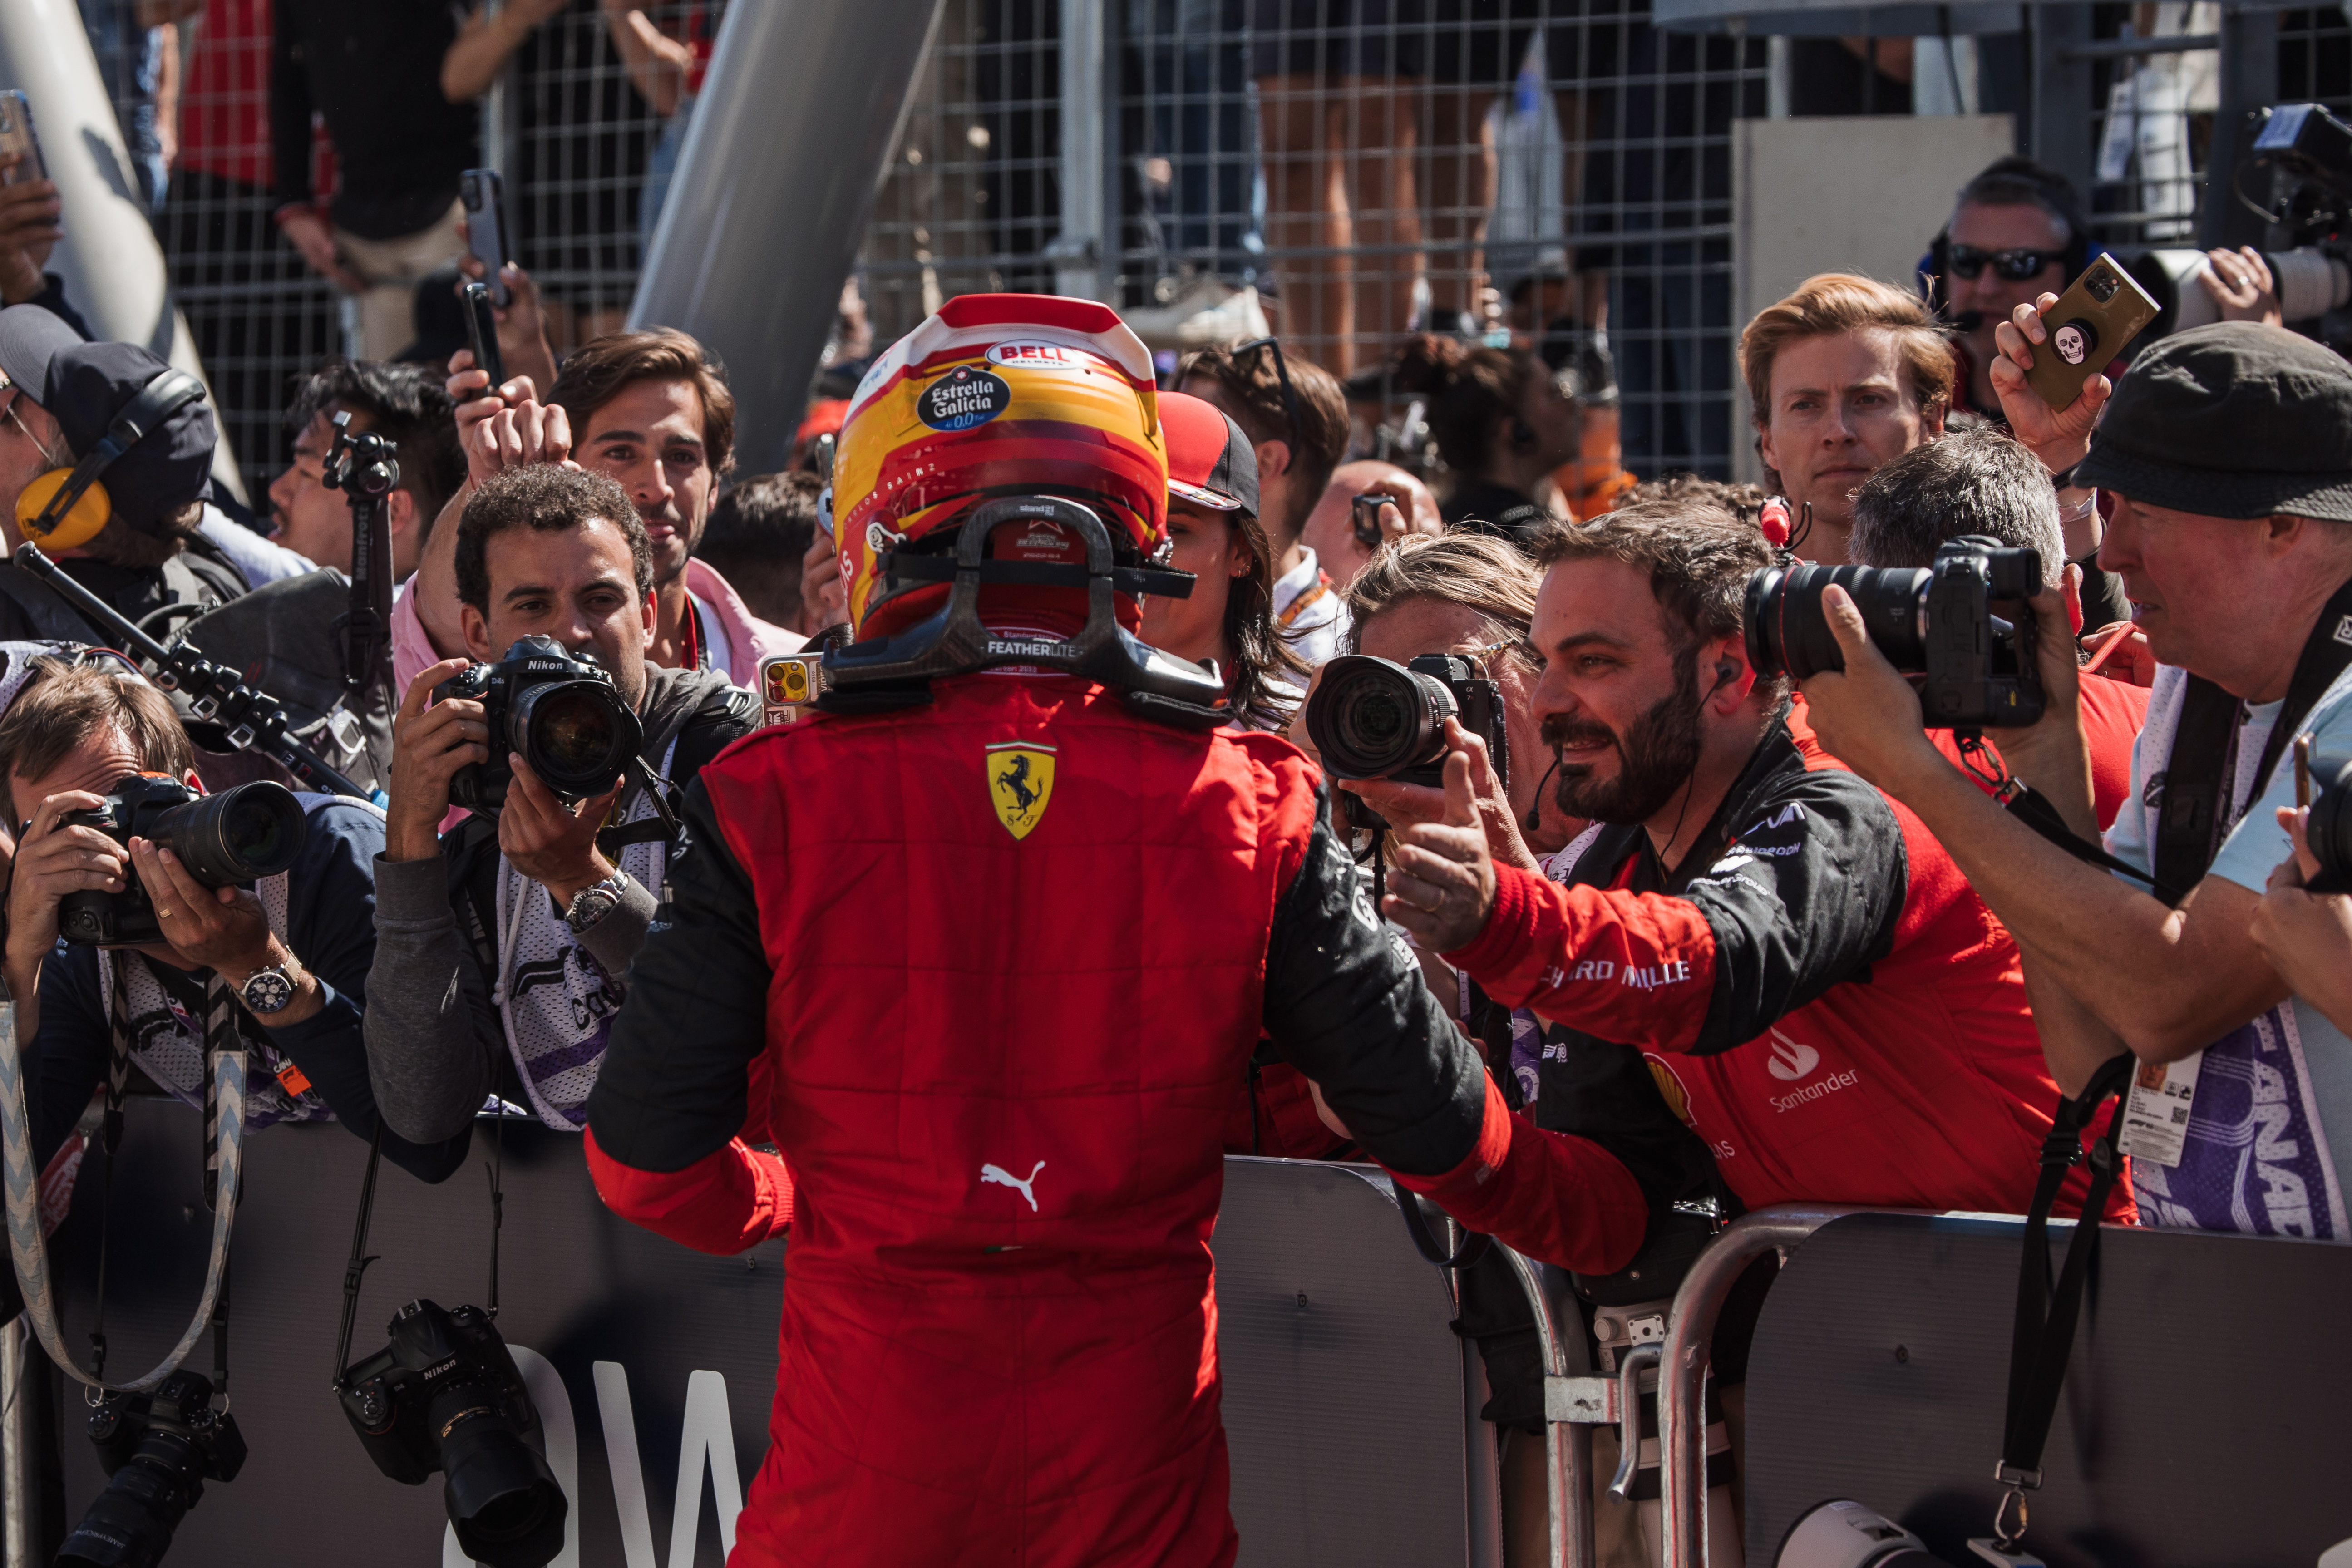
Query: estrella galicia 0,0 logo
point(965, 397)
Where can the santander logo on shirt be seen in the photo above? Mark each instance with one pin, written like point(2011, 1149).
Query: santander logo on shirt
point(1791, 1061)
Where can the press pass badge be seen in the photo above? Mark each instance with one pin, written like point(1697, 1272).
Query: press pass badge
point(2155, 1114)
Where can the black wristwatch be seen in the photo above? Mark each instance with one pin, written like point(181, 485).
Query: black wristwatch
point(267, 990)
point(594, 901)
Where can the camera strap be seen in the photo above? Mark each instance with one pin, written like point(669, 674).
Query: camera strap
point(2043, 1338)
point(356, 1268)
point(20, 1177)
point(2033, 808)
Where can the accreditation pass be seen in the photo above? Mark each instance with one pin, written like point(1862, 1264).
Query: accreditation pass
point(2155, 1114)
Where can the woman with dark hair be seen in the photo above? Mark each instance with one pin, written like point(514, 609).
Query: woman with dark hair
point(1213, 533)
point(1502, 422)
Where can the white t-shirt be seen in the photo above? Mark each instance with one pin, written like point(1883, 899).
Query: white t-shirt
point(2259, 1089)
point(260, 560)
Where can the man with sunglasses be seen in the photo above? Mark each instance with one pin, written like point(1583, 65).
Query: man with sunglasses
point(1295, 418)
point(2016, 232)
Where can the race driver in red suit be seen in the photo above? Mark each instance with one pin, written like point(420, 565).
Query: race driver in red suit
point(1005, 918)
point(1760, 942)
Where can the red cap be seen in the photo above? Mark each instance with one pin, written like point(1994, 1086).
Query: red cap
point(1210, 462)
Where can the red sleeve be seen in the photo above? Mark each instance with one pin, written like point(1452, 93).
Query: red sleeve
point(1635, 967)
point(728, 1202)
point(1556, 1198)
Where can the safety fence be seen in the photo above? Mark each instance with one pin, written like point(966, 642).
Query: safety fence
point(1339, 171)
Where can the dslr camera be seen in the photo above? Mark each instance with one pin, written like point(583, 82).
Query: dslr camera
point(1975, 669)
point(560, 714)
point(444, 1396)
point(1375, 718)
point(159, 1450)
point(238, 835)
point(2329, 830)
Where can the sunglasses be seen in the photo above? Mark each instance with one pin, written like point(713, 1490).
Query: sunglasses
point(1282, 373)
point(2017, 266)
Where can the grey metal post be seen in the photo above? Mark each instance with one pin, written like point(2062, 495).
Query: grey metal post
point(1080, 253)
point(14, 1544)
point(2061, 135)
point(112, 269)
point(1683, 1367)
point(2248, 82)
point(1568, 1443)
point(774, 185)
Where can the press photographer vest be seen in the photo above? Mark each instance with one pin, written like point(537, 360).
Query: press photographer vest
point(2256, 1158)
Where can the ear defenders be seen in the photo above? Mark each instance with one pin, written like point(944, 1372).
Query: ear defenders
point(68, 507)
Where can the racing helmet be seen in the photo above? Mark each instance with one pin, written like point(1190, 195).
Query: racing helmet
point(996, 395)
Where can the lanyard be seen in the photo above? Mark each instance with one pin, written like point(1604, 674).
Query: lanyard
point(1298, 607)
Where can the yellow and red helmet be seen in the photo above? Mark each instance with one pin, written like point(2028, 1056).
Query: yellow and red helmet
point(998, 395)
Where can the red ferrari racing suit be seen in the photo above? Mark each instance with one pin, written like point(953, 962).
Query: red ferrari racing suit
point(1006, 955)
point(1814, 990)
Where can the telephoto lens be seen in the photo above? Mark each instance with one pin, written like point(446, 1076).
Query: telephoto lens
point(445, 1395)
point(1846, 1534)
point(577, 736)
point(1788, 634)
point(240, 834)
point(159, 1449)
point(1373, 719)
point(2329, 829)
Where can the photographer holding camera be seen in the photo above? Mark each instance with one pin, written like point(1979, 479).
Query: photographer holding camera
point(286, 966)
point(2228, 451)
point(1759, 941)
point(2303, 930)
point(558, 873)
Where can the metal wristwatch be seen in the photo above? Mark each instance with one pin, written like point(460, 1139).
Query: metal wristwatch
point(267, 990)
point(594, 901)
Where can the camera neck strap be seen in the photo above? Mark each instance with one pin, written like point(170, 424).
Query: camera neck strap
point(2190, 828)
point(355, 1267)
point(2043, 1338)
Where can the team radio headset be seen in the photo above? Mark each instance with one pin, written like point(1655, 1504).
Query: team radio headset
point(67, 508)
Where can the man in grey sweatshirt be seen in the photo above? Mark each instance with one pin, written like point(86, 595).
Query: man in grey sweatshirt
point(503, 946)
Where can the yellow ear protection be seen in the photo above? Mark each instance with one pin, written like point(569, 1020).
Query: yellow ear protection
point(66, 507)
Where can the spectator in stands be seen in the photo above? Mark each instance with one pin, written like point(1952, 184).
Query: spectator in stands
point(666, 69)
point(1758, 946)
point(2224, 452)
point(1296, 420)
point(138, 54)
point(1597, 479)
point(1841, 375)
point(2306, 936)
point(295, 951)
point(1331, 532)
point(1983, 483)
point(374, 75)
point(487, 41)
point(652, 411)
point(758, 537)
point(405, 405)
point(539, 887)
point(62, 394)
point(1503, 422)
point(1228, 618)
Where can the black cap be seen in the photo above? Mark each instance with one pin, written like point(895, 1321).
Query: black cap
point(84, 386)
point(2235, 419)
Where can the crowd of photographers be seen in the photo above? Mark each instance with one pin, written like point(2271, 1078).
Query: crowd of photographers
point(1730, 923)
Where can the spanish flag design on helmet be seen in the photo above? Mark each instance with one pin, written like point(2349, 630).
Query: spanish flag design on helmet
point(998, 395)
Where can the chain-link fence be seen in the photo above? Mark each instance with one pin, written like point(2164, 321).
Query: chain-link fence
point(1343, 171)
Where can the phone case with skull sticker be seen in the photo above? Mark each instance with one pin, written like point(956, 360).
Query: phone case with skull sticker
point(2090, 326)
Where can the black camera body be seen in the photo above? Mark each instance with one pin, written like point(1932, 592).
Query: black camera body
point(236, 836)
point(560, 714)
point(1375, 718)
point(1975, 669)
point(159, 1449)
point(445, 1395)
point(2329, 830)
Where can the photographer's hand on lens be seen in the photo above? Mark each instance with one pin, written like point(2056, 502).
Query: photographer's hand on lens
point(2240, 283)
point(223, 929)
point(1407, 806)
point(430, 744)
point(1441, 888)
point(2306, 936)
point(2058, 437)
point(552, 843)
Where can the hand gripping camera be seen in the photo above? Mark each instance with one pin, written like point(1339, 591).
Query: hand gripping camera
point(560, 714)
point(238, 835)
point(444, 1396)
point(159, 1450)
point(1974, 669)
point(1375, 718)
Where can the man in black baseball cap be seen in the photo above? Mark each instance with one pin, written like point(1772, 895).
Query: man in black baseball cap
point(2227, 451)
point(58, 397)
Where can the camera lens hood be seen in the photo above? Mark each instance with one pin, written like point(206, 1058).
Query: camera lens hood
point(1372, 718)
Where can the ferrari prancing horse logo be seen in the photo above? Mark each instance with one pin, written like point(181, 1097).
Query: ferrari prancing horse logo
point(1020, 785)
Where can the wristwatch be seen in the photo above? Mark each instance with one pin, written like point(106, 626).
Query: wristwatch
point(267, 990)
point(594, 901)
